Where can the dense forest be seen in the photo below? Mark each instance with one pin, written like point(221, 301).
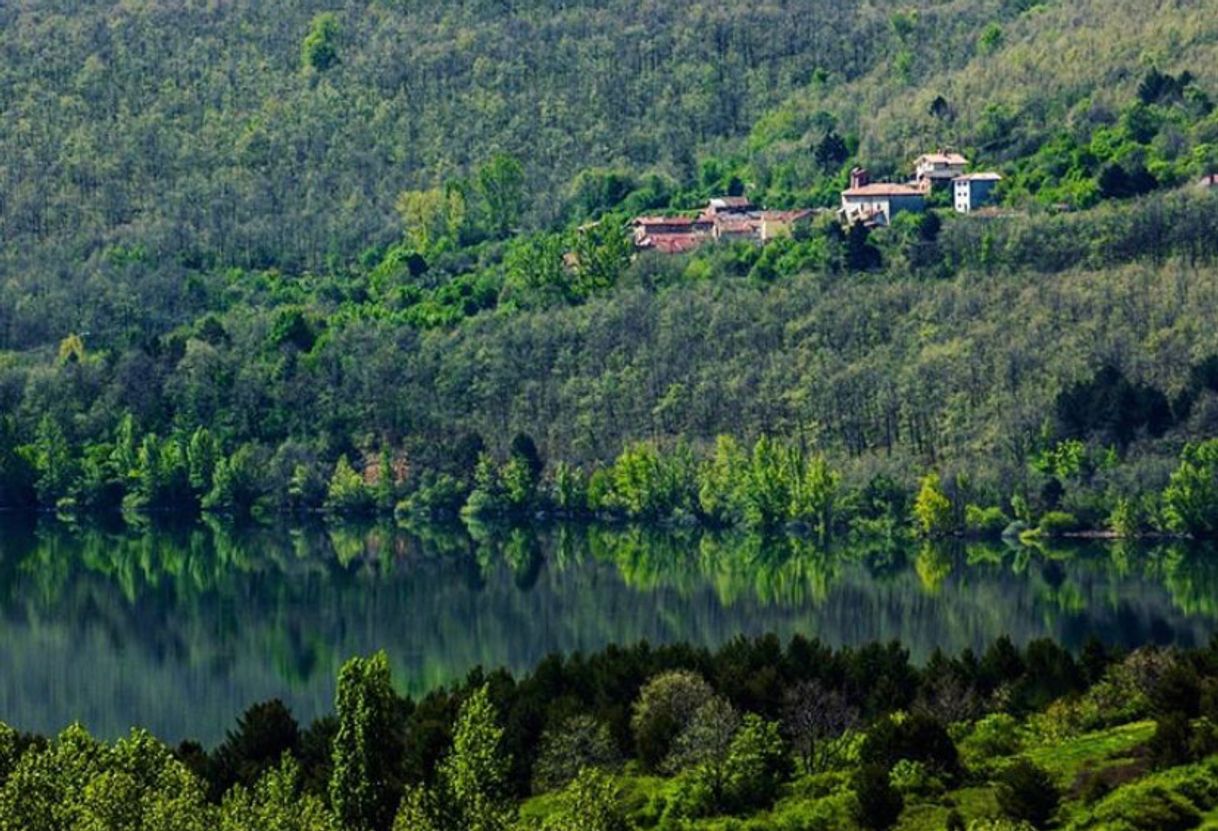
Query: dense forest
point(371, 258)
point(757, 734)
point(349, 259)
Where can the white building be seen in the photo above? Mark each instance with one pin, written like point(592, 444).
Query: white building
point(973, 190)
point(878, 203)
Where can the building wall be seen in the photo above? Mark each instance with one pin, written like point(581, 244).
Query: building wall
point(905, 203)
point(890, 205)
point(972, 194)
point(869, 204)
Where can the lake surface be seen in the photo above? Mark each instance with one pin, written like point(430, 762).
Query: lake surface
point(179, 630)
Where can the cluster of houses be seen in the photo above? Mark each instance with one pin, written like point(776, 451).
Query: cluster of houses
point(871, 203)
point(876, 203)
point(723, 218)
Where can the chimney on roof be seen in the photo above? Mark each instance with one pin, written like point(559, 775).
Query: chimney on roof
point(859, 177)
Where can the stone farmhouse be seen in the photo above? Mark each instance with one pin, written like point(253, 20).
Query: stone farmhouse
point(876, 203)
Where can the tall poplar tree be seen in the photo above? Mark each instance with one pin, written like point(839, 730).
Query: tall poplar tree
point(363, 784)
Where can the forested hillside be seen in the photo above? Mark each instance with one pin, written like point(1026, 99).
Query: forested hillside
point(144, 146)
point(1054, 73)
point(144, 141)
point(364, 257)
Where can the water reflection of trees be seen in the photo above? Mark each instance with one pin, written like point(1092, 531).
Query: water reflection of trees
point(189, 562)
point(139, 615)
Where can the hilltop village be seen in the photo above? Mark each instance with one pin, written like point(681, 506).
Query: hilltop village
point(873, 204)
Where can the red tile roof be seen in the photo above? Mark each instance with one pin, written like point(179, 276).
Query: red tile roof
point(738, 226)
point(883, 189)
point(942, 158)
point(672, 243)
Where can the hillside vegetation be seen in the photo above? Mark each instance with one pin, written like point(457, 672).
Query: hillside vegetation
point(371, 258)
point(241, 134)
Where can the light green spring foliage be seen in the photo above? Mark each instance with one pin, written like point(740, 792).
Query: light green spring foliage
point(277, 803)
point(646, 482)
point(420, 810)
point(234, 487)
point(137, 784)
point(347, 491)
point(1175, 798)
point(75, 782)
point(757, 764)
point(774, 484)
point(717, 491)
point(590, 803)
point(319, 51)
point(1190, 502)
point(471, 792)
point(360, 780)
point(933, 509)
point(203, 455)
point(9, 750)
point(52, 461)
point(475, 772)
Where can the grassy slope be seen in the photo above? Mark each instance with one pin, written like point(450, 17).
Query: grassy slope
point(823, 801)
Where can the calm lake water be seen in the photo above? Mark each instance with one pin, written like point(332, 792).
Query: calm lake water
point(180, 629)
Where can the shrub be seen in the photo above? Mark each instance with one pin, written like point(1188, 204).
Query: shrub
point(1177, 690)
point(1063, 719)
point(918, 738)
point(1097, 784)
point(910, 777)
point(988, 522)
point(1204, 741)
point(1115, 699)
point(995, 735)
point(1173, 800)
point(1129, 517)
point(1056, 523)
point(878, 804)
point(591, 802)
point(1027, 793)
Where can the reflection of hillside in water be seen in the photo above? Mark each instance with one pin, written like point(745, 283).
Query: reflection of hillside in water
point(180, 628)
